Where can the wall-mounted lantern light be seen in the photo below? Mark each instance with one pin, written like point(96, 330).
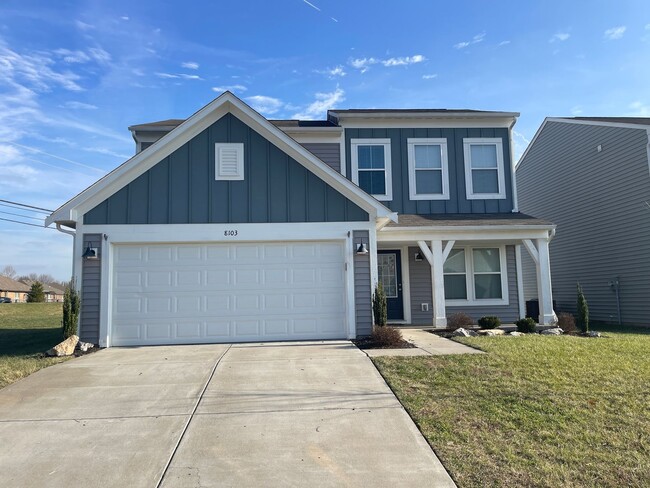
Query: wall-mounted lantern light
point(90, 252)
point(418, 256)
point(362, 249)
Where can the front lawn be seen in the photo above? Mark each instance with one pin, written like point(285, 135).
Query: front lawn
point(534, 411)
point(26, 331)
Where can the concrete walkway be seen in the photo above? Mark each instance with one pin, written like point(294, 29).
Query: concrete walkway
point(426, 344)
point(296, 414)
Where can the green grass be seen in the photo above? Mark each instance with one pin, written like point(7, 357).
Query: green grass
point(535, 411)
point(27, 330)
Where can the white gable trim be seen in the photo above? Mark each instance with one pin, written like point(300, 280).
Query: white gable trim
point(197, 123)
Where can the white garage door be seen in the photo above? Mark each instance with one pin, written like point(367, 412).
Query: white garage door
point(191, 293)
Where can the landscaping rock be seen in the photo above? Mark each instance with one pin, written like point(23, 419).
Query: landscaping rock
point(554, 331)
point(65, 348)
point(593, 333)
point(464, 333)
point(492, 332)
point(516, 333)
point(85, 346)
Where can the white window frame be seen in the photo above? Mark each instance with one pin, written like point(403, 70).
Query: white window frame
point(239, 148)
point(388, 175)
point(442, 142)
point(501, 179)
point(469, 281)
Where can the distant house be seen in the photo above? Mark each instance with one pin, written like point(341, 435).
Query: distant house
point(13, 289)
point(590, 176)
point(52, 293)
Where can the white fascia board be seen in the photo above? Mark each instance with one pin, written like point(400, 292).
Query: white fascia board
point(464, 233)
point(430, 123)
point(422, 115)
point(225, 103)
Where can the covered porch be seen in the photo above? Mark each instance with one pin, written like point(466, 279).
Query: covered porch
point(432, 266)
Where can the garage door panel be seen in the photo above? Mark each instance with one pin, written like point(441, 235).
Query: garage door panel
point(168, 294)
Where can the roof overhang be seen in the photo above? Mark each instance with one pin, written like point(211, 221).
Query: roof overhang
point(417, 119)
point(75, 208)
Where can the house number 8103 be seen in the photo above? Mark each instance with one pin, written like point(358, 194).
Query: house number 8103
point(229, 233)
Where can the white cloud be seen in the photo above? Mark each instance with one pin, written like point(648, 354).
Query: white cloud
point(403, 61)
point(576, 110)
point(323, 103)
point(311, 5)
point(559, 36)
point(363, 64)
point(639, 109)
point(177, 76)
point(83, 26)
point(265, 105)
point(124, 17)
point(503, 43)
point(475, 40)
point(647, 27)
point(190, 65)
point(615, 32)
point(80, 57)
point(232, 88)
point(332, 72)
point(74, 105)
point(430, 77)
point(520, 142)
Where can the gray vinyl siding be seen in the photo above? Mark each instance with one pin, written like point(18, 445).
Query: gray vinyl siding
point(598, 202)
point(182, 188)
point(90, 291)
point(328, 152)
point(457, 203)
point(420, 284)
point(362, 287)
point(529, 275)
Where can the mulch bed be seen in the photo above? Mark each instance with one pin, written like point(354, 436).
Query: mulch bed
point(369, 343)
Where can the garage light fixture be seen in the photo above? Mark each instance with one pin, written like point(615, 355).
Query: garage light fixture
point(90, 252)
point(362, 249)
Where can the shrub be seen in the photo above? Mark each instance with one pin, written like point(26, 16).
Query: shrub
point(489, 322)
point(379, 307)
point(566, 322)
point(526, 325)
point(71, 303)
point(583, 311)
point(385, 336)
point(36, 293)
point(460, 319)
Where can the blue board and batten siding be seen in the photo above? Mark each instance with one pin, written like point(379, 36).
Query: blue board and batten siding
point(181, 189)
point(420, 282)
point(457, 202)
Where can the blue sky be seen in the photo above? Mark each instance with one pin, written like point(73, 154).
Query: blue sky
point(74, 75)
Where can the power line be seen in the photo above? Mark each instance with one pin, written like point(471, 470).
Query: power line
point(26, 209)
point(55, 156)
point(25, 205)
point(76, 172)
point(27, 223)
point(21, 215)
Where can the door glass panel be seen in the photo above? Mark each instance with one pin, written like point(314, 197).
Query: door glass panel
point(387, 273)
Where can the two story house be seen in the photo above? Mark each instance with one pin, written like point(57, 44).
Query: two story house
point(230, 227)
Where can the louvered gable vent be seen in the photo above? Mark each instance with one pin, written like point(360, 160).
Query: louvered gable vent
point(229, 164)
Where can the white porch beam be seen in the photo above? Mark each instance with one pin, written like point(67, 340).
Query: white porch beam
point(448, 247)
point(426, 251)
point(532, 250)
point(438, 285)
point(544, 290)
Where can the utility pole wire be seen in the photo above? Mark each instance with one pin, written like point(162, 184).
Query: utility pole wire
point(27, 223)
point(21, 215)
point(55, 156)
point(25, 205)
point(25, 209)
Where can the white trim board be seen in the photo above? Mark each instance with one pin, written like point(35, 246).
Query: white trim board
point(225, 103)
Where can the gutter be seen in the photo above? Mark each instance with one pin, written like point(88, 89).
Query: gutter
point(65, 231)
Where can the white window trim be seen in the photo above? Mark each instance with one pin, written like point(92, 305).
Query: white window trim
point(354, 143)
point(239, 148)
point(469, 190)
point(442, 142)
point(469, 282)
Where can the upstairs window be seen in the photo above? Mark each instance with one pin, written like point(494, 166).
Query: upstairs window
point(229, 161)
point(371, 167)
point(484, 171)
point(428, 169)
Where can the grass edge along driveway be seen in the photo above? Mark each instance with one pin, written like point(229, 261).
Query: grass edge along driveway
point(534, 411)
point(27, 330)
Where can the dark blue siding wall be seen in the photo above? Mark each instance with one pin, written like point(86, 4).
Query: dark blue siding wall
point(457, 202)
point(181, 188)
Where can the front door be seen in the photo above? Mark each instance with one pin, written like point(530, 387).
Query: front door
point(389, 264)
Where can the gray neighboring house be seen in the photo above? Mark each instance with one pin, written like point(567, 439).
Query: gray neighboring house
point(228, 227)
point(591, 177)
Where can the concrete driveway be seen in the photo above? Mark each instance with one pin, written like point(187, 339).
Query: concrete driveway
point(275, 414)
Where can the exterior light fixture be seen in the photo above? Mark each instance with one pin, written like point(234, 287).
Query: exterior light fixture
point(362, 249)
point(90, 252)
point(418, 256)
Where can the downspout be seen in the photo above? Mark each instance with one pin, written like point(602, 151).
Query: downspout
point(65, 231)
point(515, 199)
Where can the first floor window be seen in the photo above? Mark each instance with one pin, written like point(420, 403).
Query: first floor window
point(371, 167)
point(476, 275)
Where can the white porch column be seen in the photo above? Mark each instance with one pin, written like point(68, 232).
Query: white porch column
point(544, 290)
point(438, 285)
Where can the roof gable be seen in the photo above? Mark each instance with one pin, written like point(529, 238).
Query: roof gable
point(72, 211)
